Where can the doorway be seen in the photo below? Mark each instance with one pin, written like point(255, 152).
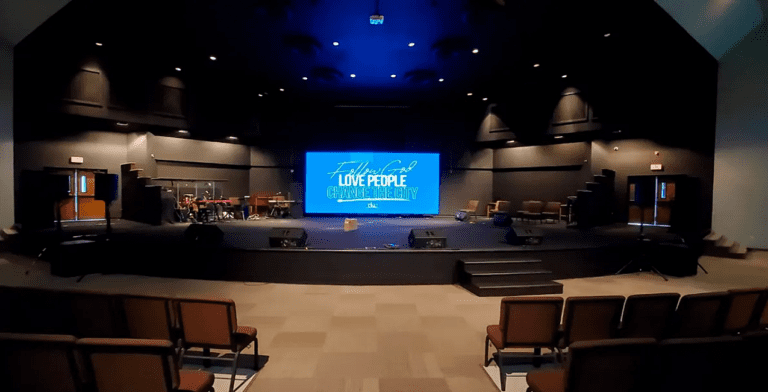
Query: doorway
point(651, 199)
point(81, 203)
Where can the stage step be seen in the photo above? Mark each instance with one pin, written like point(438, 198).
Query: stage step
point(501, 277)
point(504, 290)
point(498, 265)
point(718, 245)
point(537, 275)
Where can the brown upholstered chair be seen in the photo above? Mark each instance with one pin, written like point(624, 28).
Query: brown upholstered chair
point(496, 207)
point(39, 363)
point(698, 364)
point(590, 318)
point(616, 365)
point(147, 365)
point(95, 314)
point(530, 322)
point(471, 207)
point(743, 310)
point(700, 315)
point(551, 211)
point(148, 317)
point(648, 315)
point(212, 323)
point(532, 209)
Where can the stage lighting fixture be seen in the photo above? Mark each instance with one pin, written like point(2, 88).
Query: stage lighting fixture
point(178, 69)
point(441, 80)
point(376, 19)
point(335, 43)
point(536, 65)
point(411, 44)
point(99, 44)
point(304, 78)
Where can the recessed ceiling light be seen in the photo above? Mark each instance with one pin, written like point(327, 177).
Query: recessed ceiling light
point(485, 99)
point(212, 58)
point(183, 131)
point(261, 95)
point(510, 141)
point(304, 78)
point(99, 44)
point(441, 80)
point(469, 94)
point(178, 69)
point(475, 51)
point(619, 131)
point(411, 44)
point(335, 43)
point(559, 137)
point(282, 89)
point(393, 76)
point(564, 76)
point(607, 35)
point(232, 137)
point(122, 124)
point(536, 65)
point(352, 75)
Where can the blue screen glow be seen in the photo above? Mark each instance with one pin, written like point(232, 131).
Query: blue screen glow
point(372, 183)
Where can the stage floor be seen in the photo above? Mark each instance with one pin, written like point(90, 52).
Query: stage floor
point(375, 233)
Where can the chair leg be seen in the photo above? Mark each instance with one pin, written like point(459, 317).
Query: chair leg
point(234, 372)
point(207, 353)
point(502, 374)
point(485, 358)
point(256, 354)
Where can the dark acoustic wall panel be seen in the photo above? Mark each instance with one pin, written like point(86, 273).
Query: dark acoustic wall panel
point(571, 108)
point(86, 88)
point(554, 155)
point(169, 101)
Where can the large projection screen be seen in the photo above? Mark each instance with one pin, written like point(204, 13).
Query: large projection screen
point(372, 183)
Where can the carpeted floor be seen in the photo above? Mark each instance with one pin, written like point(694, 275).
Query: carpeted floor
point(378, 338)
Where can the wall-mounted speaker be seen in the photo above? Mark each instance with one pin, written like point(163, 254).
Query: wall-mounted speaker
point(287, 238)
point(427, 238)
point(106, 187)
point(462, 216)
point(521, 236)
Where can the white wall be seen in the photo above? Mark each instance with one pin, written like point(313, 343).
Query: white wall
point(740, 200)
point(6, 134)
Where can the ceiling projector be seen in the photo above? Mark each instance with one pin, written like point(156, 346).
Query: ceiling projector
point(377, 19)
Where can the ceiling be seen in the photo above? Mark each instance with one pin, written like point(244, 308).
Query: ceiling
point(483, 47)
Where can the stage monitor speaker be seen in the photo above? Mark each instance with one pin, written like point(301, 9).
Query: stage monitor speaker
point(524, 236)
point(204, 234)
point(287, 238)
point(502, 219)
point(462, 216)
point(427, 238)
point(106, 187)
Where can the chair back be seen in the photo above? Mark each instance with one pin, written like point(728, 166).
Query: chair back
point(39, 363)
point(742, 309)
point(472, 205)
point(552, 207)
point(648, 315)
point(207, 322)
point(122, 365)
point(696, 364)
point(616, 365)
point(533, 206)
point(700, 315)
point(95, 314)
point(502, 206)
point(591, 318)
point(147, 317)
point(531, 321)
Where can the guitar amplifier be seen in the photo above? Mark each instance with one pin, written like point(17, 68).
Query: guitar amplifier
point(427, 238)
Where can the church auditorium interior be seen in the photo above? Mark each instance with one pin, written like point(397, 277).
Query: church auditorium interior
point(366, 183)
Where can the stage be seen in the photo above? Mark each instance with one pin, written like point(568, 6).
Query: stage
point(376, 253)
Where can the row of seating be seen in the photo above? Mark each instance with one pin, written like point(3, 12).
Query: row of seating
point(535, 322)
point(186, 322)
point(63, 363)
point(641, 364)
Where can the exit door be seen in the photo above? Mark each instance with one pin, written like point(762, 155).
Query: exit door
point(81, 203)
point(651, 199)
